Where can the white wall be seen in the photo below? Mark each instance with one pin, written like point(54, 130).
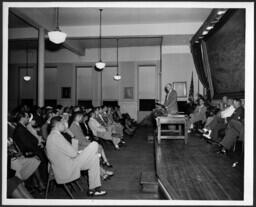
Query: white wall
point(177, 65)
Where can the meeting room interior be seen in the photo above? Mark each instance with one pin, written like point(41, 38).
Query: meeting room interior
point(133, 101)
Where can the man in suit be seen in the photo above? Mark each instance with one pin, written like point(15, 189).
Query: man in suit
point(235, 127)
point(219, 121)
point(67, 163)
point(171, 99)
point(28, 144)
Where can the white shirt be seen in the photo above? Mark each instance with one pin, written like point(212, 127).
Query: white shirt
point(227, 112)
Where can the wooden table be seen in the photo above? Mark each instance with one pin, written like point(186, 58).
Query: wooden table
point(172, 120)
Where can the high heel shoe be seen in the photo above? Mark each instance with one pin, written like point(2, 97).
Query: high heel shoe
point(107, 164)
point(117, 147)
point(107, 175)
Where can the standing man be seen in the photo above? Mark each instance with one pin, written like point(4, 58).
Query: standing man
point(170, 99)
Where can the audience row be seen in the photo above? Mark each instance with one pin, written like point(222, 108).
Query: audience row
point(66, 139)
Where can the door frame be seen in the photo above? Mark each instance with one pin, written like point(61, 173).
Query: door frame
point(157, 83)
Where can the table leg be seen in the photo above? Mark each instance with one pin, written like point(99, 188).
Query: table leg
point(159, 133)
point(180, 129)
point(186, 132)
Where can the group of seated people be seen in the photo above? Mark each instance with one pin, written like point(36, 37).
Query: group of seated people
point(67, 140)
point(227, 119)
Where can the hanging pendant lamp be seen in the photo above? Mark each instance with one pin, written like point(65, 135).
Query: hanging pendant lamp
point(100, 65)
point(57, 36)
point(117, 77)
point(27, 77)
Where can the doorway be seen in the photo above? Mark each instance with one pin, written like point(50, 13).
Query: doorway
point(147, 90)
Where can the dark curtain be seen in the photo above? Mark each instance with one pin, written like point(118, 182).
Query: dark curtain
point(225, 48)
point(197, 57)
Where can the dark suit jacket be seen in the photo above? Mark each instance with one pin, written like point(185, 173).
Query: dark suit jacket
point(86, 129)
point(238, 114)
point(27, 143)
point(171, 102)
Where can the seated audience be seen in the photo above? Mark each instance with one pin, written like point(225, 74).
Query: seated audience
point(33, 128)
point(102, 131)
point(224, 103)
point(117, 128)
point(199, 114)
point(67, 163)
point(218, 122)
point(15, 186)
point(75, 128)
point(124, 119)
point(29, 145)
point(235, 127)
point(84, 141)
point(25, 167)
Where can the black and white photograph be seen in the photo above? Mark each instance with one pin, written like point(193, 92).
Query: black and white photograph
point(127, 103)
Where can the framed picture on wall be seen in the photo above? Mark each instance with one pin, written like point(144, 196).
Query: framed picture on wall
point(180, 88)
point(66, 92)
point(128, 92)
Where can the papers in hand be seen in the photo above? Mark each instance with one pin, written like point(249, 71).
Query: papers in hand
point(75, 144)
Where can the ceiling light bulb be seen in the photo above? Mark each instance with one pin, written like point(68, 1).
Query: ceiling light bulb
point(100, 65)
point(221, 12)
point(209, 27)
point(117, 77)
point(57, 36)
point(27, 78)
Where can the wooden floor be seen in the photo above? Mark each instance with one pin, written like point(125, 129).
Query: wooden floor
point(195, 172)
point(129, 163)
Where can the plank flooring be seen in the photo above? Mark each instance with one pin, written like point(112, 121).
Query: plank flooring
point(195, 172)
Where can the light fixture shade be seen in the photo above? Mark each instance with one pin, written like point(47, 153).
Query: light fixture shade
point(100, 65)
point(209, 27)
point(221, 12)
point(205, 33)
point(117, 77)
point(57, 36)
point(27, 78)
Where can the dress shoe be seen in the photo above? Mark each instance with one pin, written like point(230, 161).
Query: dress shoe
point(222, 151)
point(207, 135)
point(97, 192)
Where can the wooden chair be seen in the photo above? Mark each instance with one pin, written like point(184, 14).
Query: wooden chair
point(65, 185)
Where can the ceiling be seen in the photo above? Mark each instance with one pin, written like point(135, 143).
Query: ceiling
point(16, 22)
point(114, 16)
point(85, 16)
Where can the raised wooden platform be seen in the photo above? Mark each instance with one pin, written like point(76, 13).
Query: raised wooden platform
point(195, 172)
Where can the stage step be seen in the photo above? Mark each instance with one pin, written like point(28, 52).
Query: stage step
point(149, 182)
